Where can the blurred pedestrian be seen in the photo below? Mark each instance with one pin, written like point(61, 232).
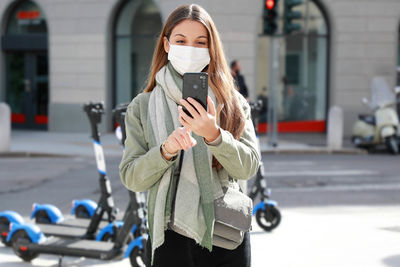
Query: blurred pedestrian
point(239, 79)
point(219, 144)
point(287, 97)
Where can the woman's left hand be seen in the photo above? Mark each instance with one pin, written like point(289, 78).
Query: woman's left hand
point(203, 123)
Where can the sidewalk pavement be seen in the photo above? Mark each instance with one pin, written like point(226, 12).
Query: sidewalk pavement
point(345, 236)
point(296, 143)
point(44, 143)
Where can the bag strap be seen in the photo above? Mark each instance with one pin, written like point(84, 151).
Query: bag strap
point(178, 170)
point(177, 173)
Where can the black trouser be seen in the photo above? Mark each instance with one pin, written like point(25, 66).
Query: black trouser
point(180, 251)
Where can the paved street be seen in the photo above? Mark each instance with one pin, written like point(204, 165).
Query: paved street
point(338, 210)
point(325, 180)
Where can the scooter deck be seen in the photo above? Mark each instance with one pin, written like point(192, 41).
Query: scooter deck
point(82, 223)
point(63, 231)
point(70, 228)
point(77, 248)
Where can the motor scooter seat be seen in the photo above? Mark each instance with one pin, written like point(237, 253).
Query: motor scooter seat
point(367, 118)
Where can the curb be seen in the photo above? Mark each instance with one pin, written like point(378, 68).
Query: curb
point(279, 150)
point(285, 151)
point(27, 154)
point(315, 150)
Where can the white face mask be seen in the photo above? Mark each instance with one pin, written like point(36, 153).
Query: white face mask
point(188, 58)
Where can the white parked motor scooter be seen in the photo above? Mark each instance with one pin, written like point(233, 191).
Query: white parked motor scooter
point(381, 127)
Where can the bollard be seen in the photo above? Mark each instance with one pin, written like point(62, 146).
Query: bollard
point(335, 128)
point(5, 127)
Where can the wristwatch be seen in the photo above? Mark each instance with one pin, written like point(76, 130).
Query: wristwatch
point(165, 152)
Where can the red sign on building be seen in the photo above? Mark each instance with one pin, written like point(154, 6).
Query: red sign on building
point(28, 14)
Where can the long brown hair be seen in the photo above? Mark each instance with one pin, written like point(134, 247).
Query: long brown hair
point(220, 79)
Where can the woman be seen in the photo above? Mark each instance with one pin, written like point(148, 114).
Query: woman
point(219, 144)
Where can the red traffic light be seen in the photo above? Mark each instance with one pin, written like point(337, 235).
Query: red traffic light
point(270, 4)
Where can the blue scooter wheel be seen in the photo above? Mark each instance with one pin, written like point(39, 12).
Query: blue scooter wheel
point(109, 237)
point(138, 257)
point(268, 218)
point(82, 212)
point(42, 217)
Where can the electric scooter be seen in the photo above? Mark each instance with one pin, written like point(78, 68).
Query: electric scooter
point(49, 218)
point(84, 208)
point(266, 212)
point(381, 128)
point(47, 213)
point(119, 116)
point(29, 241)
point(80, 208)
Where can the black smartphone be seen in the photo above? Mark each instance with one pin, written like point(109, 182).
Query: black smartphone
point(195, 85)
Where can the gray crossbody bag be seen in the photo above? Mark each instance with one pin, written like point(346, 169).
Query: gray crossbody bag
point(233, 214)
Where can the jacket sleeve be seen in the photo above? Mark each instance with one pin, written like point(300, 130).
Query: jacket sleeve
point(140, 167)
point(240, 158)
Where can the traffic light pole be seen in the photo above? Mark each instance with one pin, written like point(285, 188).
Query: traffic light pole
point(270, 28)
point(305, 46)
point(272, 112)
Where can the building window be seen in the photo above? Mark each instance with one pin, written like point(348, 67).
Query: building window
point(24, 44)
point(303, 65)
point(137, 27)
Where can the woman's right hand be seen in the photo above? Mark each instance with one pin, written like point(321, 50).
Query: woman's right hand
point(179, 139)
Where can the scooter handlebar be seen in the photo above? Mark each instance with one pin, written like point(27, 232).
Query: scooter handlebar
point(97, 107)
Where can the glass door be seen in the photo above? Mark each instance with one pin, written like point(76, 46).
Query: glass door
point(27, 89)
point(41, 87)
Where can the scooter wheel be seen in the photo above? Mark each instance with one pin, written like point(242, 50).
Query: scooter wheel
point(392, 146)
point(21, 250)
point(138, 258)
point(107, 237)
point(42, 217)
point(82, 212)
point(4, 229)
point(268, 219)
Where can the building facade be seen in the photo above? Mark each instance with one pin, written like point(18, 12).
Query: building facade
point(58, 54)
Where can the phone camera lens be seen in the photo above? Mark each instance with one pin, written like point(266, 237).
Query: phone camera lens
point(195, 86)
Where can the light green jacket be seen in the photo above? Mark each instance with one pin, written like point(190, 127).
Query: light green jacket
point(142, 166)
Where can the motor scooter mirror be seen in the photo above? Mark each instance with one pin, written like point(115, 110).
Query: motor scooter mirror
point(365, 101)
